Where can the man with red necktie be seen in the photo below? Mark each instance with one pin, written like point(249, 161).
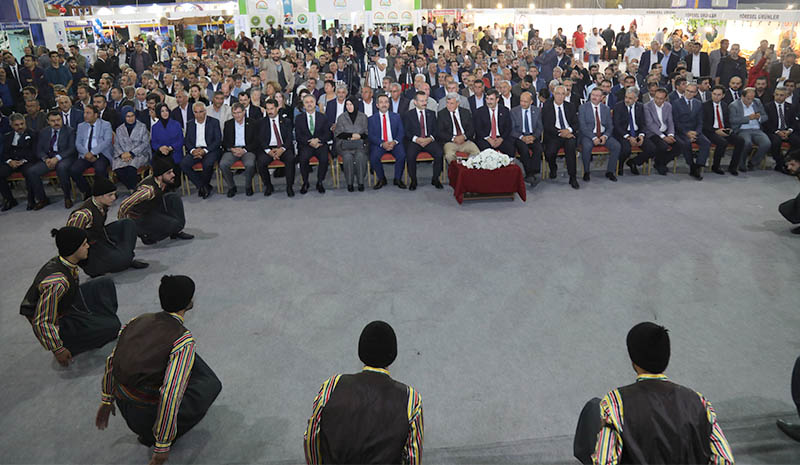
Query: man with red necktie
point(386, 133)
point(493, 126)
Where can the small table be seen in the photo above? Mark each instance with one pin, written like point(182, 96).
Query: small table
point(486, 184)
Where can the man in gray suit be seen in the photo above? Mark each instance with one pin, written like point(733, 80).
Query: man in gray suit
point(526, 130)
point(452, 88)
point(717, 55)
point(747, 114)
point(660, 130)
point(687, 114)
point(596, 127)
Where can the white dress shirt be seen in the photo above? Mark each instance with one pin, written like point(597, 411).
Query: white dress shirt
point(65, 118)
point(388, 125)
point(696, 64)
point(564, 113)
point(596, 111)
point(339, 109)
point(458, 119)
point(718, 108)
point(632, 111)
point(751, 123)
point(368, 108)
point(780, 109)
point(662, 125)
point(507, 101)
point(184, 112)
point(274, 123)
point(479, 102)
point(200, 135)
point(427, 128)
point(239, 140)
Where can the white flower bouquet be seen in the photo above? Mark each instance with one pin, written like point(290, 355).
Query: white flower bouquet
point(489, 159)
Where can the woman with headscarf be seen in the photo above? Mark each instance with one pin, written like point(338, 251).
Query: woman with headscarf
point(166, 139)
point(131, 148)
point(351, 138)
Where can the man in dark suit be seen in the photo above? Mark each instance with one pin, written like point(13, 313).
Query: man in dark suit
point(367, 103)
point(717, 129)
point(55, 149)
point(386, 135)
point(420, 129)
point(560, 124)
point(19, 154)
point(687, 115)
point(563, 60)
point(335, 107)
point(629, 132)
point(106, 113)
point(397, 103)
point(118, 99)
point(70, 116)
point(202, 145)
point(478, 98)
point(671, 59)
point(183, 112)
point(697, 61)
point(734, 91)
point(526, 131)
point(312, 132)
point(454, 129)
point(782, 70)
point(649, 58)
point(493, 126)
point(275, 138)
point(240, 142)
point(780, 127)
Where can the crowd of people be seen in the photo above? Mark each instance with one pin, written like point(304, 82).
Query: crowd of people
point(260, 105)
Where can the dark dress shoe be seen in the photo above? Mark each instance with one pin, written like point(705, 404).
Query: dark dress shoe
point(399, 183)
point(304, 188)
point(201, 192)
point(30, 205)
point(750, 166)
point(147, 241)
point(733, 172)
point(782, 169)
point(694, 172)
point(718, 170)
point(611, 177)
point(632, 165)
point(532, 181)
point(231, 192)
point(138, 264)
point(9, 204)
point(360, 188)
point(68, 202)
point(573, 181)
point(350, 188)
point(209, 192)
point(289, 191)
point(553, 174)
point(248, 191)
point(437, 184)
point(182, 236)
point(662, 170)
point(796, 230)
point(789, 429)
point(587, 177)
point(41, 204)
point(320, 188)
point(380, 183)
point(268, 190)
point(412, 186)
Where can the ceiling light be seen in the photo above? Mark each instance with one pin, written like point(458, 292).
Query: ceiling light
point(438, 6)
point(568, 5)
point(499, 6)
point(531, 6)
point(469, 6)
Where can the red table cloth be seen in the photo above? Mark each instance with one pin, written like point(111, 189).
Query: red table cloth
point(505, 180)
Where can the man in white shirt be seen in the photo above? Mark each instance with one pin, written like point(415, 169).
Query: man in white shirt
point(560, 124)
point(218, 109)
point(717, 129)
point(202, 143)
point(277, 146)
point(660, 130)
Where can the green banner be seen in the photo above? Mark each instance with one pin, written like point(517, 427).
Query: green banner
point(242, 7)
point(417, 4)
point(368, 5)
point(312, 6)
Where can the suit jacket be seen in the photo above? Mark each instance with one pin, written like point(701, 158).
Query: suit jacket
point(36, 123)
point(776, 71)
point(25, 149)
point(402, 105)
point(412, 127)
point(102, 139)
point(272, 72)
point(672, 63)
point(473, 103)
point(514, 101)
point(374, 105)
point(549, 119)
point(463, 102)
point(652, 127)
point(375, 129)
point(728, 68)
point(546, 61)
point(117, 106)
point(112, 117)
point(330, 111)
point(736, 110)
point(705, 65)
point(483, 123)
point(771, 125)
point(686, 119)
point(586, 120)
point(65, 143)
point(75, 118)
point(437, 92)
point(709, 116)
point(714, 57)
point(251, 139)
point(264, 132)
point(645, 64)
point(518, 126)
point(445, 129)
point(322, 128)
point(728, 98)
point(178, 116)
point(621, 129)
point(213, 136)
point(564, 63)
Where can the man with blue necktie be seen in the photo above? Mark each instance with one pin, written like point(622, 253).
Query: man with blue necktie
point(629, 132)
point(386, 134)
point(526, 131)
point(93, 142)
point(687, 113)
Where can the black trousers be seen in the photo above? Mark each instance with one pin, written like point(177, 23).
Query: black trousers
point(164, 221)
point(201, 391)
point(413, 149)
point(663, 153)
point(775, 149)
point(507, 147)
point(530, 155)
point(6, 171)
point(796, 384)
point(589, 424)
point(93, 322)
point(262, 166)
point(80, 165)
point(551, 147)
point(791, 210)
point(112, 258)
point(721, 144)
point(306, 152)
point(128, 176)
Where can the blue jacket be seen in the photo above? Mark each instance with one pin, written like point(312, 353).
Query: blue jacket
point(171, 136)
point(213, 135)
point(375, 129)
point(686, 120)
point(586, 120)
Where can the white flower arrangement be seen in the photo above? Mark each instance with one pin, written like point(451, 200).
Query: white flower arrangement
point(489, 159)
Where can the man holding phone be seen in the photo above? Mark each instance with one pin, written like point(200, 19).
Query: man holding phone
point(717, 129)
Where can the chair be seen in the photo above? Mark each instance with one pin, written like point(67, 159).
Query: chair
point(422, 157)
point(198, 168)
point(50, 176)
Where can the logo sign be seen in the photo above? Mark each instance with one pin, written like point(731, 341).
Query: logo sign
point(262, 5)
point(406, 16)
point(287, 19)
point(386, 3)
point(302, 18)
point(340, 3)
point(392, 16)
point(379, 16)
point(255, 21)
point(270, 20)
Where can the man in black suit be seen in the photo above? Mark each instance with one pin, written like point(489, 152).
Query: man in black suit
point(493, 126)
point(106, 113)
point(202, 145)
point(13, 88)
point(420, 127)
point(454, 129)
point(782, 70)
point(629, 131)
point(717, 129)
point(313, 133)
point(240, 142)
point(560, 123)
point(183, 112)
point(275, 140)
point(697, 61)
point(650, 58)
point(118, 99)
point(734, 91)
point(55, 149)
point(19, 154)
point(672, 59)
point(478, 98)
point(780, 127)
point(398, 103)
point(70, 116)
point(526, 131)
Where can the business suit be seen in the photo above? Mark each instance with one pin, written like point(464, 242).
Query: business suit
point(24, 150)
point(463, 102)
point(375, 132)
point(514, 101)
point(483, 128)
point(645, 64)
point(652, 124)
point(672, 63)
point(413, 129)
point(111, 115)
point(630, 122)
point(213, 137)
point(322, 131)
point(65, 151)
point(529, 154)
point(772, 125)
point(688, 116)
point(99, 145)
point(374, 106)
point(751, 136)
point(711, 125)
point(474, 102)
point(704, 66)
point(546, 61)
point(586, 126)
point(399, 107)
point(72, 119)
point(732, 95)
point(331, 109)
point(553, 142)
point(446, 133)
point(267, 142)
point(251, 145)
point(177, 115)
point(776, 72)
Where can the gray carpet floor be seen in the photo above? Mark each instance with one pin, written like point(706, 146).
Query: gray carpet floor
point(509, 314)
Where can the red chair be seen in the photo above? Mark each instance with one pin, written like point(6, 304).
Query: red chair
point(423, 157)
point(386, 158)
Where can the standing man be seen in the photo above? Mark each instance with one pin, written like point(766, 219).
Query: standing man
point(279, 71)
point(420, 128)
point(69, 318)
point(697, 62)
point(629, 130)
point(747, 115)
point(111, 247)
point(160, 384)
point(526, 131)
point(782, 70)
point(275, 144)
point(56, 151)
point(687, 115)
point(202, 145)
point(596, 127)
point(19, 154)
point(93, 142)
point(239, 143)
point(660, 130)
point(560, 125)
point(386, 134)
point(578, 43)
point(367, 417)
point(732, 65)
point(608, 36)
point(716, 56)
point(313, 132)
point(717, 129)
point(158, 214)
